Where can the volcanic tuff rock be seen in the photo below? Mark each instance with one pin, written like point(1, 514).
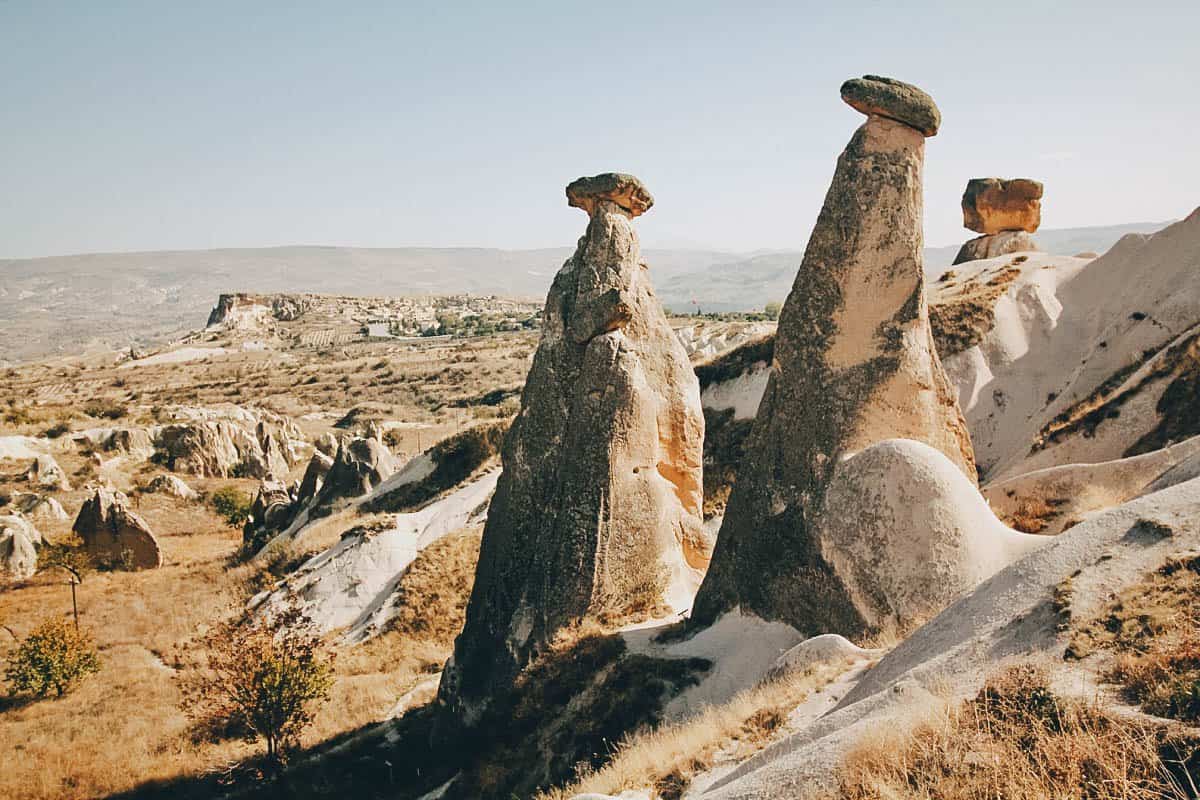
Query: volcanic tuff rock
point(854, 363)
point(172, 485)
point(314, 476)
point(112, 534)
point(45, 473)
point(18, 547)
point(238, 443)
point(597, 510)
point(996, 244)
point(360, 466)
point(994, 205)
point(888, 97)
point(39, 507)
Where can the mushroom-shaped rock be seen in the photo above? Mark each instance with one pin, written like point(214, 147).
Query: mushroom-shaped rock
point(854, 363)
point(597, 511)
point(114, 535)
point(994, 205)
point(888, 97)
point(18, 547)
point(625, 191)
point(996, 244)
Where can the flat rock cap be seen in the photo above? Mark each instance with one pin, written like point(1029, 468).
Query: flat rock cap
point(888, 97)
point(625, 190)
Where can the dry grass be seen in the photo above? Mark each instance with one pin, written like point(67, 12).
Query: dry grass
point(1018, 741)
point(1033, 514)
point(668, 758)
point(960, 321)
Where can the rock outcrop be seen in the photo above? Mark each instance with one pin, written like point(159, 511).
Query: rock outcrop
point(314, 476)
point(18, 547)
point(360, 465)
point(598, 507)
point(854, 363)
point(172, 485)
point(1005, 212)
point(45, 473)
point(40, 507)
point(234, 443)
point(114, 535)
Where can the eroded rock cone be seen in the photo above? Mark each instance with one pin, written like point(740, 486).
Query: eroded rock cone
point(598, 508)
point(114, 535)
point(45, 473)
point(18, 547)
point(854, 364)
point(360, 466)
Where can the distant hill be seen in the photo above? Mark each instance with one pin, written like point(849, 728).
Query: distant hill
point(747, 283)
point(68, 304)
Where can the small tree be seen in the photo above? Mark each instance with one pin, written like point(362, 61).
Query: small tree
point(232, 503)
point(264, 676)
point(71, 559)
point(771, 310)
point(53, 658)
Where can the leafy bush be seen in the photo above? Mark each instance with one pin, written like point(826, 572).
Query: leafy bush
point(56, 430)
point(232, 503)
point(105, 409)
point(53, 658)
point(265, 678)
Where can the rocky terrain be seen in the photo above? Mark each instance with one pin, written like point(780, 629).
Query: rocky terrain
point(920, 536)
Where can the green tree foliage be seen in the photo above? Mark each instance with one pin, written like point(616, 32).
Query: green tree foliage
point(53, 658)
point(231, 503)
point(266, 677)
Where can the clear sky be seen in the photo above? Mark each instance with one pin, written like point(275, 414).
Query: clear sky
point(155, 125)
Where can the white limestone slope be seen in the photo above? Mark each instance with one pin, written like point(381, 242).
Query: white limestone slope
point(1063, 328)
point(349, 585)
point(1011, 614)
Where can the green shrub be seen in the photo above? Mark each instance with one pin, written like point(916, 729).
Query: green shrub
point(232, 503)
point(53, 658)
point(56, 430)
point(105, 409)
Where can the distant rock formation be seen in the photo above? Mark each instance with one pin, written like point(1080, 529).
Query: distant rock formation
point(1005, 212)
point(45, 473)
point(314, 476)
point(242, 443)
point(360, 465)
point(18, 547)
point(40, 507)
point(172, 485)
point(234, 309)
point(853, 364)
point(598, 508)
point(112, 534)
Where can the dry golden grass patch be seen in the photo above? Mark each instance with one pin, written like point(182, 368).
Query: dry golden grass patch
point(1017, 740)
point(669, 757)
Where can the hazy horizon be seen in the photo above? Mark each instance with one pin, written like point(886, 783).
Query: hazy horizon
point(144, 127)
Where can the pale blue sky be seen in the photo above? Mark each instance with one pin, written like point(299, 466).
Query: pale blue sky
point(153, 125)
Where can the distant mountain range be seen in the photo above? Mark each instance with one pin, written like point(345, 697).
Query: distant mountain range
point(70, 304)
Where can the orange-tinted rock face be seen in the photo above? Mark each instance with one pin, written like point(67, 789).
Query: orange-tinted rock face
point(994, 205)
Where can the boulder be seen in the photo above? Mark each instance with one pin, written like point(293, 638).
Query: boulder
point(130, 441)
point(272, 506)
point(314, 476)
point(40, 507)
point(854, 363)
point(327, 444)
point(18, 547)
point(45, 473)
point(598, 508)
point(114, 535)
point(361, 465)
point(888, 97)
point(995, 244)
point(993, 205)
point(172, 485)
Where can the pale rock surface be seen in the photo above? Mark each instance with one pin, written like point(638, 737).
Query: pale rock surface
point(599, 505)
point(40, 507)
point(314, 476)
point(222, 441)
point(907, 534)
point(997, 244)
point(45, 473)
point(360, 465)
point(113, 534)
point(327, 444)
point(18, 547)
point(854, 363)
point(172, 485)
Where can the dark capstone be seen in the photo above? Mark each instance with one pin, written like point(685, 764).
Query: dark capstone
point(888, 97)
